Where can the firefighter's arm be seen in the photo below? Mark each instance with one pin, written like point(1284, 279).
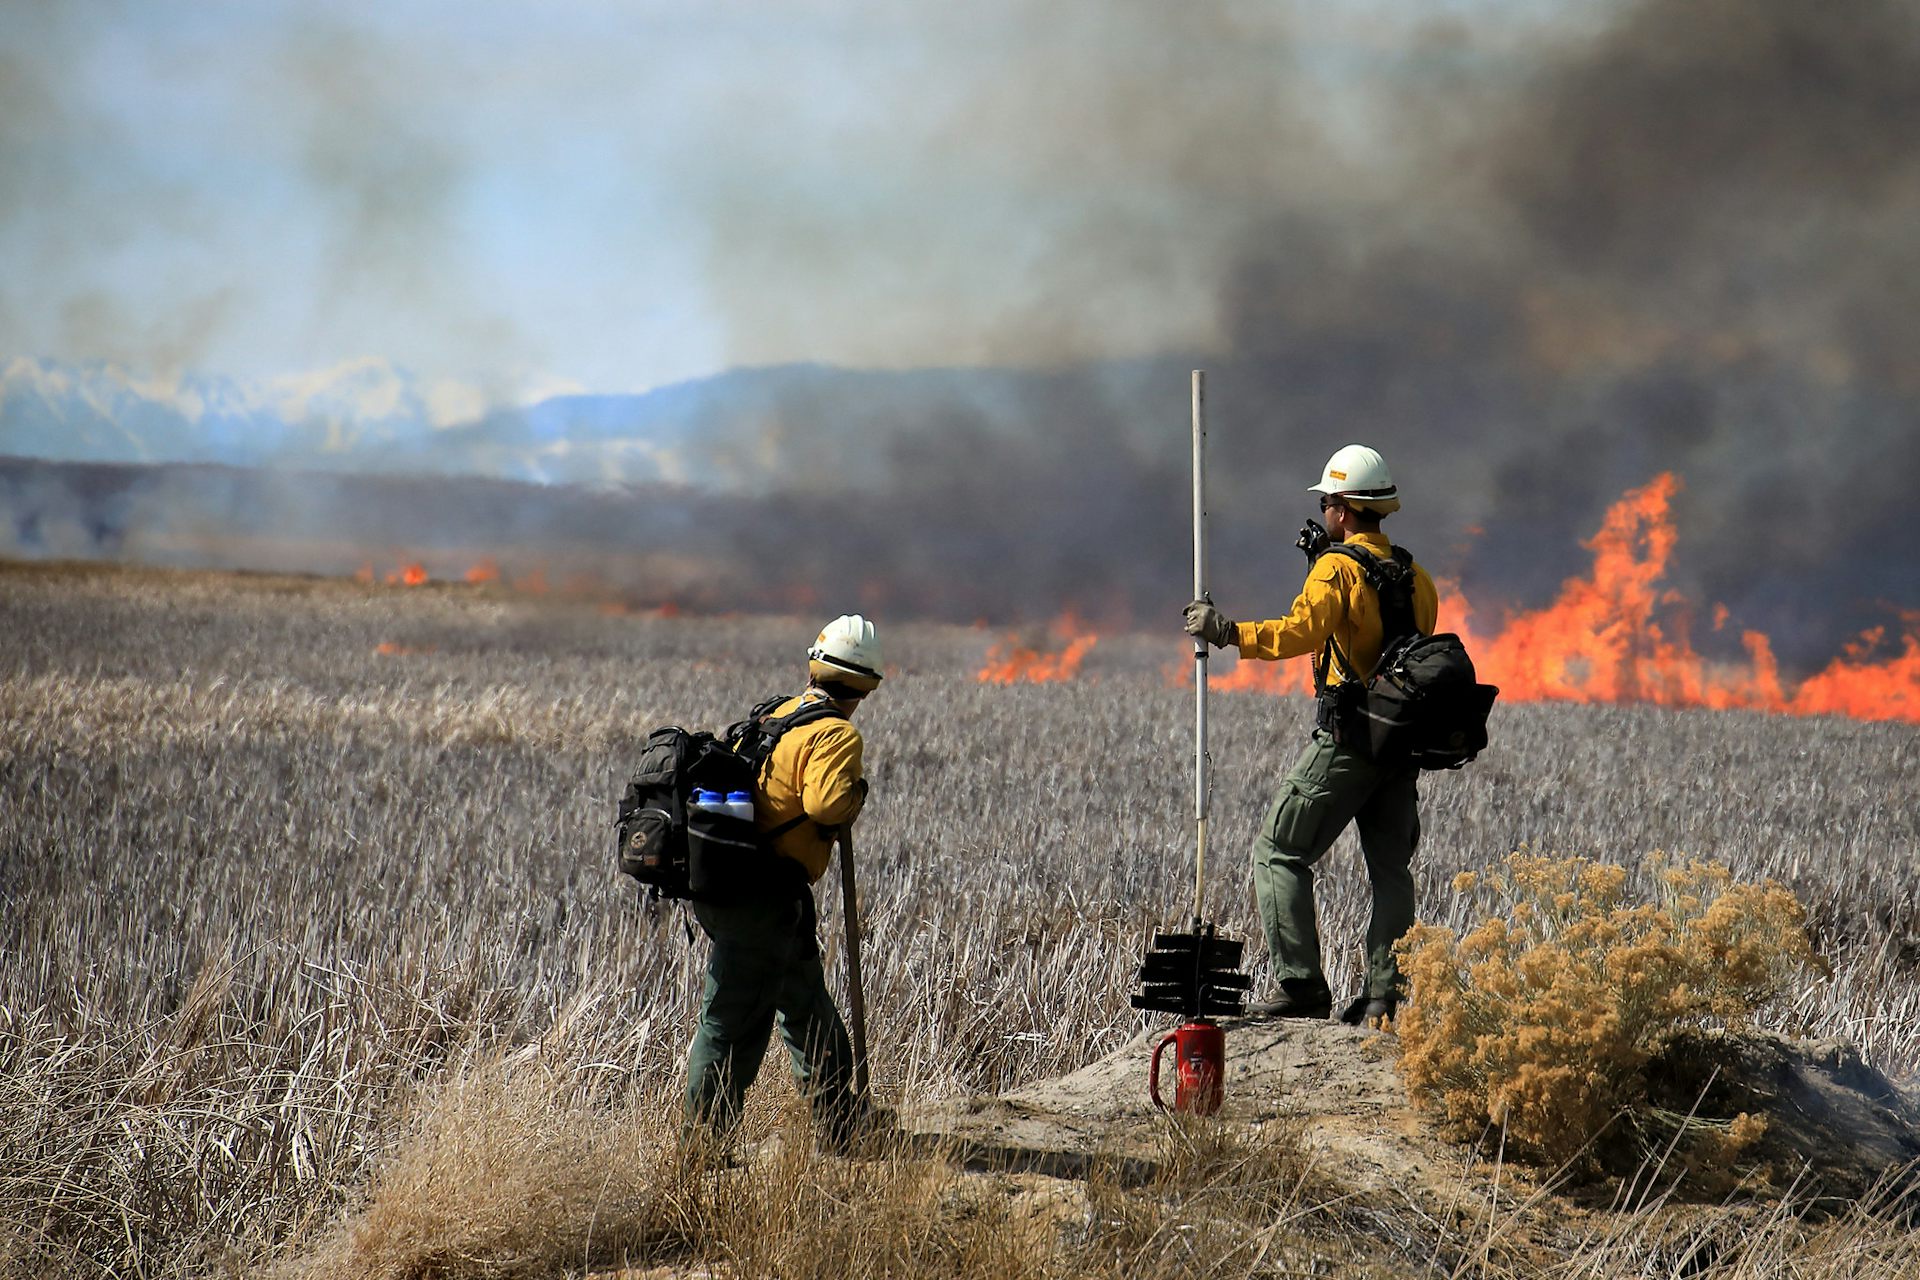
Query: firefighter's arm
point(1307, 626)
point(831, 786)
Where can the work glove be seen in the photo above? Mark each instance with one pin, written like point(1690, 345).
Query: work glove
point(1211, 625)
point(1312, 540)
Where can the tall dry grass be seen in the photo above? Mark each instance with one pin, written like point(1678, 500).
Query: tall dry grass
point(268, 896)
point(510, 1173)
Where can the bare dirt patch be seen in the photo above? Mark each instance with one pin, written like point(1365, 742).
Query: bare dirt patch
point(1835, 1125)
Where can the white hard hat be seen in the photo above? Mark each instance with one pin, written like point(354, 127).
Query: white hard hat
point(847, 651)
point(1360, 476)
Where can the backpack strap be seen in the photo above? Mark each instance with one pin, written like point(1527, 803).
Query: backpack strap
point(1392, 581)
point(770, 728)
point(804, 714)
point(1396, 599)
point(761, 710)
point(774, 833)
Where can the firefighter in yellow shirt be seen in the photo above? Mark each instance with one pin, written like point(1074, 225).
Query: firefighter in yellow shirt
point(1337, 619)
point(764, 967)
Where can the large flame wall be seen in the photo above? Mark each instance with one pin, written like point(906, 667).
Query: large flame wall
point(1613, 634)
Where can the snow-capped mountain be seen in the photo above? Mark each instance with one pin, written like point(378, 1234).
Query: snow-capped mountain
point(364, 415)
point(99, 412)
point(795, 427)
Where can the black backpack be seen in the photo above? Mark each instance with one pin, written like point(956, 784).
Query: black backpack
point(677, 851)
point(1422, 703)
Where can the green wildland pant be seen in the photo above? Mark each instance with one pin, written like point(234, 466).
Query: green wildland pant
point(1329, 787)
point(765, 965)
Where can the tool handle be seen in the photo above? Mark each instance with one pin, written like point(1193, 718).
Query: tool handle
point(1199, 644)
point(856, 993)
point(1153, 1069)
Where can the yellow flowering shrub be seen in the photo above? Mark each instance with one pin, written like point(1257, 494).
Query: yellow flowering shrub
point(1543, 1017)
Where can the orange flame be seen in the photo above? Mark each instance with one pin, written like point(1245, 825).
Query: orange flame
point(1012, 661)
point(388, 649)
point(1601, 641)
point(1853, 685)
point(486, 570)
point(413, 575)
point(1614, 636)
point(1253, 676)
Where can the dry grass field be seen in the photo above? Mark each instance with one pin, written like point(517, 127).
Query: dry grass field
point(313, 957)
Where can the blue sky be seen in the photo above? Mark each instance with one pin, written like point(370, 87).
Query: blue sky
point(617, 195)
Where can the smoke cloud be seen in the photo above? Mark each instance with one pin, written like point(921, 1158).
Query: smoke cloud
point(1535, 266)
point(1685, 243)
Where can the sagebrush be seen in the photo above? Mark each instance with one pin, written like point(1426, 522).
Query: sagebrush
point(1541, 1019)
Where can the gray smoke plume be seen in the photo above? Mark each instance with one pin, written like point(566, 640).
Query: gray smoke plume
point(1534, 270)
point(1700, 234)
point(1683, 243)
point(1720, 200)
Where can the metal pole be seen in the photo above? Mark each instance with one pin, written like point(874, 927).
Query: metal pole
point(856, 993)
point(1199, 645)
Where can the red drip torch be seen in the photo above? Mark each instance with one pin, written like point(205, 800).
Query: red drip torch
point(1200, 1066)
point(1192, 974)
point(1195, 974)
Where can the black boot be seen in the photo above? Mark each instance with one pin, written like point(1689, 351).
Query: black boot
point(859, 1129)
point(1368, 1010)
point(1296, 1000)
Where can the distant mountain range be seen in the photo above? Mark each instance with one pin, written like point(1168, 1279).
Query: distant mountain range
point(983, 493)
point(782, 427)
point(366, 415)
point(955, 493)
